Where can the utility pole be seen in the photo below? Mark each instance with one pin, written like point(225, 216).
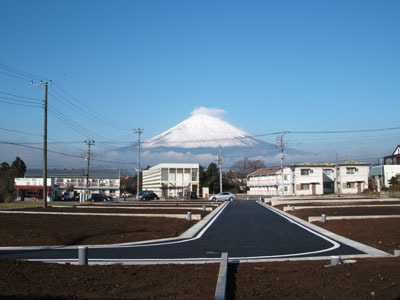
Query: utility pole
point(139, 131)
point(220, 169)
point(46, 84)
point(337, 176)
point(282, 147)
point(89, 143)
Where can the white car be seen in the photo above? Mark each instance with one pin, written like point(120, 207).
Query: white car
point(223, 196)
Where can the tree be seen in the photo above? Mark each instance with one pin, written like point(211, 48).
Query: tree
point(4, 167)
point(245, 166)
point(7, 177)
point(19, 166)
point(212, 175)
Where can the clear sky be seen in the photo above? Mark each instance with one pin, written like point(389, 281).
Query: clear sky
point(270, 65)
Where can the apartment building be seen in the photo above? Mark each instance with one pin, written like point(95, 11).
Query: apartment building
point(172, 180)
point(309, 179)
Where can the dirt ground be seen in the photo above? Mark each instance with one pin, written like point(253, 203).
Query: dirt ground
point(383, 234)
point(365, 279)
point(51, 230)
point(351, 211)
point(35, 280)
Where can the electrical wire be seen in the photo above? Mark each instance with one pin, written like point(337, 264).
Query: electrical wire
point(91, 111)
point(27, 76)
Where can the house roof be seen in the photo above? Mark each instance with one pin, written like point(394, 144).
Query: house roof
point(265, 171)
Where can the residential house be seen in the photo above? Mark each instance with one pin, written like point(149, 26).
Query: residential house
point(309, 179)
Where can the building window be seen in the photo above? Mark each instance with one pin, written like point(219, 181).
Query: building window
point(164, 174)
point(305, 186)
point(194, 174)
point(172, 174)
point(327, 172)
point(351, 185)
point(286, 189)
point(351, 170)
point(305, 171)
point(285, 177)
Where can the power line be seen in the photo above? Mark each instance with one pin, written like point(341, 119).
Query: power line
point(19, 104)
point(102, 118)
point(18, 96)
point(343, 131)
point(27, 75)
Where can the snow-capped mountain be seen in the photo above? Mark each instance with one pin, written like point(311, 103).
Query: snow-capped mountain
point(202, 131)
point(200, 137)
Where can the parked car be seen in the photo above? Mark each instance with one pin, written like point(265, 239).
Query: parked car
point(109, 198)
point(70, 196)
point(147, 195)
point(98, 197)
point(227, 196)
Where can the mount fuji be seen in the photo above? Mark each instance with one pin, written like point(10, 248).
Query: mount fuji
point(199, 139)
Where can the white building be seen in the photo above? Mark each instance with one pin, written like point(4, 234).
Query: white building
point(309, 179)
point(382, 174)
point(60, 180)
point(172, 180)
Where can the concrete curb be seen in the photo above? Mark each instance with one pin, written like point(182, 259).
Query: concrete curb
point(140, 207)
point(331, 218)
point(177, 216)
point(289, 208)
point(372, 252)
point(220, 291)
point(281, 201)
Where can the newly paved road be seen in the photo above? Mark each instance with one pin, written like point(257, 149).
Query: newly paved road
point(244, 229)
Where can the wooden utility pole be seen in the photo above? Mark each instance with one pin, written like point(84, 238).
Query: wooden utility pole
point(139, 131)
point(46, 84)
point(88, 142)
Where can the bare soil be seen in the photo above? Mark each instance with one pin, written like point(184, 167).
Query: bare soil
point(35, 280)
point(51, 230)
point(365, 279)
point(383, 234)
point(351, 211)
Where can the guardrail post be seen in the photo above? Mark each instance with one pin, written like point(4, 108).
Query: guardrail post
point(220, 291)
point(83, 255)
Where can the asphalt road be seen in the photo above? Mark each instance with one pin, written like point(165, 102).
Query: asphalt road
point(244, 229)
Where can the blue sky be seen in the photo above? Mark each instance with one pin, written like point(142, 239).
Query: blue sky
point(271, 65)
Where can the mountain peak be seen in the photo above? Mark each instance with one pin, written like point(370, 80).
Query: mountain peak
point(201, 131)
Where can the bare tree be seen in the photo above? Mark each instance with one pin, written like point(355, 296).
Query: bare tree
point(245, 166)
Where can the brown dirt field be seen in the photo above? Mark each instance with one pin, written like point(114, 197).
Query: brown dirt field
point(366, 279)
point(383, 234)
point(50, 230)
point(35, 280)
point(352, 211)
